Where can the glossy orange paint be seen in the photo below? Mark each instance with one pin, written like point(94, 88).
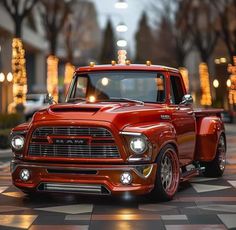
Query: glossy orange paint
point(193, 133)
point(208, 131)
point(107, 175)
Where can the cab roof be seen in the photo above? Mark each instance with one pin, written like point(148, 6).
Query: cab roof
point(126, 67)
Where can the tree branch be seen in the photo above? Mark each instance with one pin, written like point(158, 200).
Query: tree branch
point(26, 10)
point(8, 8)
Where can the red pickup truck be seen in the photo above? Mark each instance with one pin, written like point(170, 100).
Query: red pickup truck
point(123, 129)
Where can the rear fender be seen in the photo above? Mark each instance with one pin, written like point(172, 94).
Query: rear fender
point(209, 130)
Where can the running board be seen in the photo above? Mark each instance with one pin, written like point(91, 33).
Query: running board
point(191, 173)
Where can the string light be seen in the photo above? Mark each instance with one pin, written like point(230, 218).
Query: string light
point(206, 99)
point(184, 73)
point(122, 56)
point(18, 72)
point(232, 82)
point(52, 76)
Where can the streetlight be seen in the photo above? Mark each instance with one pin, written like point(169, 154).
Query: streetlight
point(2, 77)
point(121, 43)
point(9, 77)
point(121, 4)
point(121, 28)
point(228, 83)
point(216, 83)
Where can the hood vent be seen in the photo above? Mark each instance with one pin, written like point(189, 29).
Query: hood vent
point(74, 109)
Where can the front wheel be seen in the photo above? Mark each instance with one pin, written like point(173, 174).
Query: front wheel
point(168, 174)
point(216, 167)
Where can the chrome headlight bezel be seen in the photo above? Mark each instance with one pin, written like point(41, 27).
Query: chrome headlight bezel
point(138, 145)
point(21, 142)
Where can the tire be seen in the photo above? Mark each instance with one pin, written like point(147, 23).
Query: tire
point(216, 167)
point(168, 174)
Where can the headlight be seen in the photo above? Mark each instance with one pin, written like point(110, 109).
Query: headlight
point(17, 142)
point(138, 145)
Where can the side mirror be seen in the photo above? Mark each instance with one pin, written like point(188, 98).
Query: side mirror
point(49, 99)
point(187, 100)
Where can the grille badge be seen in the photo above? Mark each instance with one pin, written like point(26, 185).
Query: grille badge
point(62, 141)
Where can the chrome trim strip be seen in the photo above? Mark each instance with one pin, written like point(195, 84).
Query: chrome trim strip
point(73, 187)
point(131, 133)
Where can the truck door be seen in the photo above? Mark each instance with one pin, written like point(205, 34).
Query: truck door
point(183, 120)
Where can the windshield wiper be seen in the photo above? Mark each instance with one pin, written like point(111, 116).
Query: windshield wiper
point(126, 99)
point(76, 99)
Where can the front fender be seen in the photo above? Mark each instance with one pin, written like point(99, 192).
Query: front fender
point(159, 134)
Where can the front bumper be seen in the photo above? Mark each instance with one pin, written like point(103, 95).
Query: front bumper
point(81, 178)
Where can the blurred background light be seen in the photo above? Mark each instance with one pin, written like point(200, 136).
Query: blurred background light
point(121, 4)
point(121, 43)
point(216, 83)
point(9, 77)
point(121, 28)
point(2, 77)
point(228, 83)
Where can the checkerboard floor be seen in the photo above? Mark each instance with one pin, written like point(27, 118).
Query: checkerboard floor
point(202, 203)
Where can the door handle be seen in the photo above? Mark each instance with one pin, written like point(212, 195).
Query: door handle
point(190, 113)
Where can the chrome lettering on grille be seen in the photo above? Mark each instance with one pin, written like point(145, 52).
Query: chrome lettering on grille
point(70, 141)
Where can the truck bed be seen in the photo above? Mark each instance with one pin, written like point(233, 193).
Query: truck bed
point(199, 112)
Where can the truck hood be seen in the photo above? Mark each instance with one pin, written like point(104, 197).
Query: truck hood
point(119, 114)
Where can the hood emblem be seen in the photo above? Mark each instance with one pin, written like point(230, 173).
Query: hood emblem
point(165, 117)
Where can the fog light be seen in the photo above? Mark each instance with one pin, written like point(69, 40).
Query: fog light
point(24, 174)
point(126, 178)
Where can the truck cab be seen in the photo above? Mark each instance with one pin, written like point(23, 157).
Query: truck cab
point(122, 129)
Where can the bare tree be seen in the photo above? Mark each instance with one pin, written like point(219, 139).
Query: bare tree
point(226, 10)
point(202, 28)
point(79, 30)
point(144, 41)
point(54, 15)
point(18, 10)
point(174, 29)
point(182, 37)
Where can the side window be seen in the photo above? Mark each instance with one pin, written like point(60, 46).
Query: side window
point(176, 90)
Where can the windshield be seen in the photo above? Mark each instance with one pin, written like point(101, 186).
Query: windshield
point(118, 85)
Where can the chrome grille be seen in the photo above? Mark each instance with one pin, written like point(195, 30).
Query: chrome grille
point(72, 131)
point(73, 151)
point(102, 144)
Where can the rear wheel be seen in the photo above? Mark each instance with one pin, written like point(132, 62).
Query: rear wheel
point(168, 174)
point(216, 167)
